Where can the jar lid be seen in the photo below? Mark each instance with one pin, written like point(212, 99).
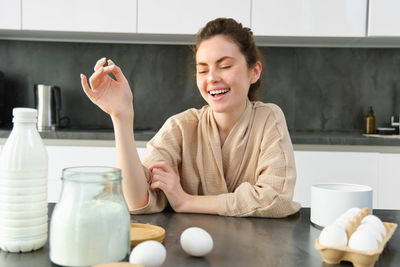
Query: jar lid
point(24, 115)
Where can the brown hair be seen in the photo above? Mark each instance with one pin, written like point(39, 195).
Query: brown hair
point(242, 36)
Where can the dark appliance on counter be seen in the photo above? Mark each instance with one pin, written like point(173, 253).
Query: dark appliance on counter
point(48, 104)
point(2, 99)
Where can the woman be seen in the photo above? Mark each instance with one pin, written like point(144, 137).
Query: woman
point(232, 157)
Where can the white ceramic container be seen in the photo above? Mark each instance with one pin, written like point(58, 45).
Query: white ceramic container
point(329, 201)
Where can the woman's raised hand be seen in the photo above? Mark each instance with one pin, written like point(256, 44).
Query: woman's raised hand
point(112, 96)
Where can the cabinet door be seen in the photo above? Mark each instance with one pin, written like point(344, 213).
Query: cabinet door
point(314, 167)
point(384, 19)
point(333, 18)
point(10, 14)
point(187, 17)
point(75, 15)
point(389, 181)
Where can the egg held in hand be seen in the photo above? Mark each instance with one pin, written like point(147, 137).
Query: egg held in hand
point(148, 253)
point(195, 241)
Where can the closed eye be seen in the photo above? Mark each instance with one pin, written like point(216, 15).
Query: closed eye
point(226, 67)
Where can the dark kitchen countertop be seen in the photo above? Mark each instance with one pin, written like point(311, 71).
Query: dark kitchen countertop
point(85, 134)
point(355, 138)
point(237, 241)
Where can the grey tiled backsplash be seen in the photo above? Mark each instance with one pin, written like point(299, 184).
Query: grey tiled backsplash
point(317, 88)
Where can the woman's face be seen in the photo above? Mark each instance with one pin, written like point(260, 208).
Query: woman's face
point(222, 74)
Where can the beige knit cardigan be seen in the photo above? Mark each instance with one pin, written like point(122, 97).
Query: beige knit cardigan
point(253, 174)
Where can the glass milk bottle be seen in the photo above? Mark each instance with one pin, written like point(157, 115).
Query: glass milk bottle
point(90, 223)
point(23, 186)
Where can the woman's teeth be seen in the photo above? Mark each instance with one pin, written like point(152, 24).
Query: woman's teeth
point(217, 92)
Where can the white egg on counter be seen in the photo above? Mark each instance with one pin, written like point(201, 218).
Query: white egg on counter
point(333, 235)
point(196, 241)
point(148, 253)
point(376, 222)
point(363, 240)
point(368, 227)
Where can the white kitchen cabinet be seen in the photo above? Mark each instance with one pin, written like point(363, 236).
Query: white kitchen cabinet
point(79, 16)
point(383, 18)
point(314, 167)
point(389, 181)
point(10, 14)
point(328, 18)
point(61, 157)
point(187, 17)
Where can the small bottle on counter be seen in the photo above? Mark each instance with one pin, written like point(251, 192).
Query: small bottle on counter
point(23, 186)
point(370, 122)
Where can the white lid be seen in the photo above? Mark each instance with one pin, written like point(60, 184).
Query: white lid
point(24, 115)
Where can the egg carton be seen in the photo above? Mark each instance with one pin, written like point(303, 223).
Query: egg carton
point(334, 255)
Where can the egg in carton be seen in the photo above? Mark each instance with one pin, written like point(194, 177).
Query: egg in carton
point(359, 258)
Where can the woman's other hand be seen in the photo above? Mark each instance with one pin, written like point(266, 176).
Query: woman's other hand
point(165, 179)
point(112, 96)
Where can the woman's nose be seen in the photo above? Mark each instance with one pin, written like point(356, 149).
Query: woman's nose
point(213, 76)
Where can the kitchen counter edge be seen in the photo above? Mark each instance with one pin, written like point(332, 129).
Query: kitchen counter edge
point(302, 141)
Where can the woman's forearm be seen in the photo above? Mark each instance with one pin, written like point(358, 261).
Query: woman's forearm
point(134, 182)
point(200, 204)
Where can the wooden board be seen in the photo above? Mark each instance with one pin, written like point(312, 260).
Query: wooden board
point(141, 232)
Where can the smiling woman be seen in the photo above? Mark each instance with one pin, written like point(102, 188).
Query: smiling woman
point(232, 157)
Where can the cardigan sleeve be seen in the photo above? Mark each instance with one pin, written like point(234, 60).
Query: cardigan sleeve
point(164, 146)
point(272, 193)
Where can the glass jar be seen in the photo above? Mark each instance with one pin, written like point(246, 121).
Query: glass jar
point(91, 223)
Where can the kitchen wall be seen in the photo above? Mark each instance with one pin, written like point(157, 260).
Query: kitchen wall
point(326, 89)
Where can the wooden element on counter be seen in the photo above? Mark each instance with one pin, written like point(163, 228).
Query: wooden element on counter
point(141, 232)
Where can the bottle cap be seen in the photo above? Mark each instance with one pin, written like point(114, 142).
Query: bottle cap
point(24, 115)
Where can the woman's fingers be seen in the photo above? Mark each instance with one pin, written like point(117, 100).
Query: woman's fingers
point(110, 68)
point(99, 63)
point(159, 178)
point(86, 87)
point(116, 70)
point(158, 171)
point(161, 165)
point(158, 175)
point(96, 78)
point(158, 185)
